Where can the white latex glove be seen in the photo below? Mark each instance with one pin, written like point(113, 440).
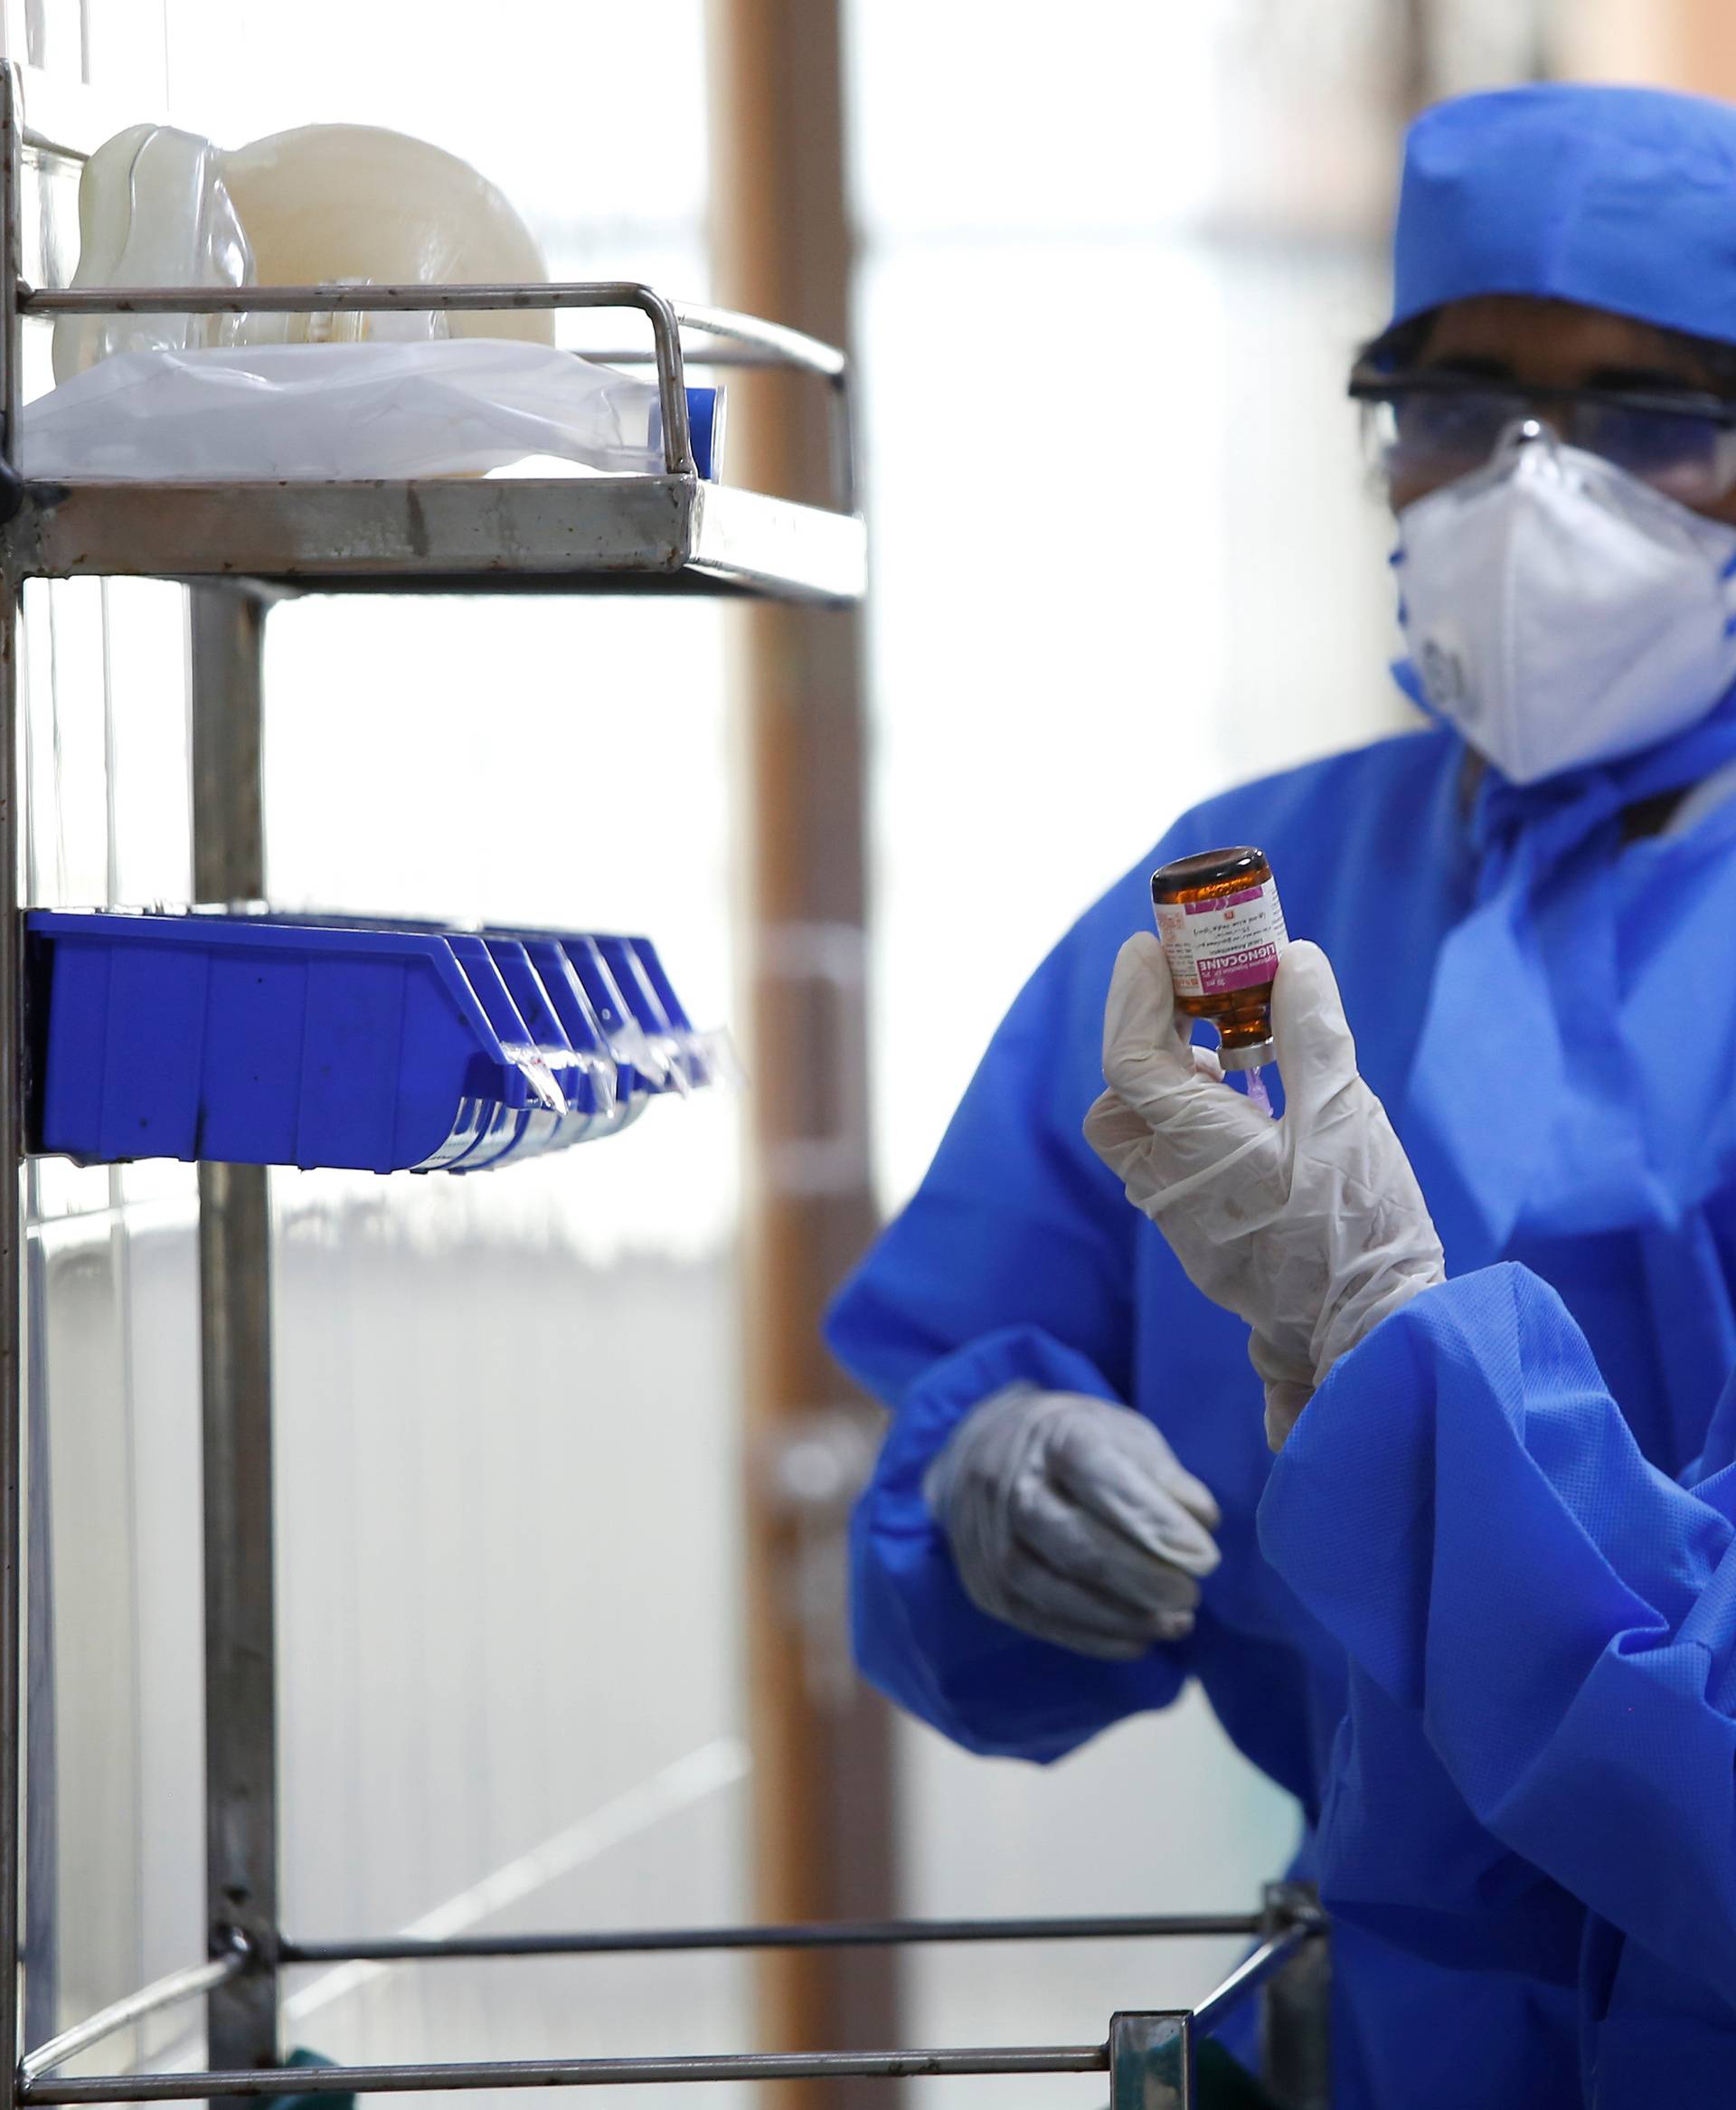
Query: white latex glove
point(1313, 1228)
point(1069, 1518)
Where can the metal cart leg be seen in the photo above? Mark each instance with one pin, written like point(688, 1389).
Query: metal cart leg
point(12, 1219)
point(235, 1370)
point(1151, 2062)
point(12, 1425)
point(1296, 2008)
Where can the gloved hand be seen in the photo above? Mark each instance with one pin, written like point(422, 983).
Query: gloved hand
point(1313, 1228)
point(1069, 1518)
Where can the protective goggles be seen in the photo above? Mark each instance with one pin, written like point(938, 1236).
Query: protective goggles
point(1427, 428)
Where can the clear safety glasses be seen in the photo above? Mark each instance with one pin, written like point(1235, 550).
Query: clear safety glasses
point(1423, 429)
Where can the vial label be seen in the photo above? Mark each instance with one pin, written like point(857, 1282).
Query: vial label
point(1233, 941)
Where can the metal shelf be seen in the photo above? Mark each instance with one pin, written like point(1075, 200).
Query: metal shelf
point(1149, 2056)
point(674, 532)
point(443, 534)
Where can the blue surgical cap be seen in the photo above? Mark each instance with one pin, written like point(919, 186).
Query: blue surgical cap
point(1622, 198)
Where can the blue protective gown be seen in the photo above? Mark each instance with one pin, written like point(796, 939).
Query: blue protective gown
point(1018, 1258)
point(1538, 1765)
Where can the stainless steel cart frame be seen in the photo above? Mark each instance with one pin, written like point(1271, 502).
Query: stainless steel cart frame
point(239, 547)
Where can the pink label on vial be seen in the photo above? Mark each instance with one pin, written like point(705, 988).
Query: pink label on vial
point(1223, 901)
point(1237, 970)
point(1227, 942)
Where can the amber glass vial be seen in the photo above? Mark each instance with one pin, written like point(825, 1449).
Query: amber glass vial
point(1222, 929)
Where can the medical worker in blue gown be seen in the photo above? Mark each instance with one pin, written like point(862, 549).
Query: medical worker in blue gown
point(1537, 1770)
point(1531, 910)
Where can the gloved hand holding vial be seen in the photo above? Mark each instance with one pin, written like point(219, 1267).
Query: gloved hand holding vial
point(1311, 1229)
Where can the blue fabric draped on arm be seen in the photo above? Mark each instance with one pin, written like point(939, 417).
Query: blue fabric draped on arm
point(1548, 1619)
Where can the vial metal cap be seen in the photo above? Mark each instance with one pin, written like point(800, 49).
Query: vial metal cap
point(1253, 1058)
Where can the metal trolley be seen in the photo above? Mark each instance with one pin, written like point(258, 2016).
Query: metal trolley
point(239, 547)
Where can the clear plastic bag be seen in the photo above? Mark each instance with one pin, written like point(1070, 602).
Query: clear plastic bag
point(260, 413)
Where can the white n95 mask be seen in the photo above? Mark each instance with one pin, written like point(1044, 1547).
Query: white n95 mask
point(1561, 613)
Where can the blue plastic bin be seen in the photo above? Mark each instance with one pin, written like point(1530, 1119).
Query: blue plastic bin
point(330, 1041)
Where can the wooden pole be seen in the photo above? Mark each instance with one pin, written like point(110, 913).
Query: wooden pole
point(1706, 46)
point(1665, 43)
point(824, 1845)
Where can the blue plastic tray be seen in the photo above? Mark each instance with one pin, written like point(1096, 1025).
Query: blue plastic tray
point(340, 1041)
